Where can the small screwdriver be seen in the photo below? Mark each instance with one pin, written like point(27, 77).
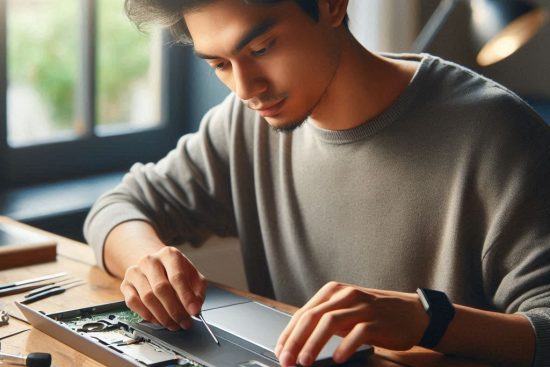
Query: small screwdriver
point(31, 360)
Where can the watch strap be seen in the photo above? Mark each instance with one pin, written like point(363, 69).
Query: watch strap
point(440, 310)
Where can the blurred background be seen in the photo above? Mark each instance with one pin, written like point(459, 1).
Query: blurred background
point(83, 94)
point(44, 65)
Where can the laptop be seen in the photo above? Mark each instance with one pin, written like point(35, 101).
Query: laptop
point(115, 336)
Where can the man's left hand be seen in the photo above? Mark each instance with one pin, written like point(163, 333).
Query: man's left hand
point(392, 320)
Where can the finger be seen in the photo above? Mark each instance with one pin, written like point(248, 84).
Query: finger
point(306, 320)
point(178, 279)
point(198, 283)
point(304, 327)
point(357, 337)
point(168, 297)
point(165, 293)
point(188, 283)
point(151, 301)
point(321, 296)
point(286, 333)
point(132, 300)
point(330, 324)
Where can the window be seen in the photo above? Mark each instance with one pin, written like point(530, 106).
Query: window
point(81, 91)
point(384, 25)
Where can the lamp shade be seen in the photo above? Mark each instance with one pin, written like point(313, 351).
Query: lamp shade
point(501, 27)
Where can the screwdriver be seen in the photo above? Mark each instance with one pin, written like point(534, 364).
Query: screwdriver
point(31, 360)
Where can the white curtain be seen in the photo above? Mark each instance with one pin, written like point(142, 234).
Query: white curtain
point(384, 25)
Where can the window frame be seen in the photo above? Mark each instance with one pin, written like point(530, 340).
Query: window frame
point(91, 153)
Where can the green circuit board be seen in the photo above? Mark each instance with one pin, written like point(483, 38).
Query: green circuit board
point(125, 315)
point(110, 328)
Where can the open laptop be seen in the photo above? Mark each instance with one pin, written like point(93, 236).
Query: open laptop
point(247, 332)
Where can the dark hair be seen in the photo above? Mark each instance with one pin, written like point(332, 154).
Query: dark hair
point(169, 13)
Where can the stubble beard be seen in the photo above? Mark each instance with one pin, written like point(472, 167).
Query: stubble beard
point(286, 127)
point(291, 126)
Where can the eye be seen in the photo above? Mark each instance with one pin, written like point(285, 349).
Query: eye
point(218, 65)
point(259, 52)
point(264, 50)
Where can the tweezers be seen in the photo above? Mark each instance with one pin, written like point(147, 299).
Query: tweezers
point(50, 291)
point(47, 287)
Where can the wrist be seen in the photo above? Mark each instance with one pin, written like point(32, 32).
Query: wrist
point(127, 243)
point(498, 338)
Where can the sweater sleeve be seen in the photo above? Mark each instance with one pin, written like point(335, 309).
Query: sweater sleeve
point(185, 196)
point(516, 260)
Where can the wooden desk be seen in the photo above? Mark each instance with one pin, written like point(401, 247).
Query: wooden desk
point(78, 260)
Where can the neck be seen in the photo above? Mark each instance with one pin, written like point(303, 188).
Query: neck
point(363, 86)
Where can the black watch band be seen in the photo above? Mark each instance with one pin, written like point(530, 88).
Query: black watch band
point(440, 310)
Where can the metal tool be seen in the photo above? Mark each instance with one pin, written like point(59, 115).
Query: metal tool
point(208, 328)
point(4, 317)
point(32, 280)
point(61, 283)
point(48, 293)
point(25, 285)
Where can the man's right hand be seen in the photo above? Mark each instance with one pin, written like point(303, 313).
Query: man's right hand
point(160, 283)
point(164, 287)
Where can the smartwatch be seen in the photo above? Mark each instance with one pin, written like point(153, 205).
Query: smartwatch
point(440, 310)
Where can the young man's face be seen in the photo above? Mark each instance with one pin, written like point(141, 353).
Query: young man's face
point(277, 59)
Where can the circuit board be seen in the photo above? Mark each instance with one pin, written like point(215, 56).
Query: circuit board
point(125, 315)
point(113, 329)
point(234, 331)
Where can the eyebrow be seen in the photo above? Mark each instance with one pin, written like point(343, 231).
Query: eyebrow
point(258, 30)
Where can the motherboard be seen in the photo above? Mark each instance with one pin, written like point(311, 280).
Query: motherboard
point(114, 329)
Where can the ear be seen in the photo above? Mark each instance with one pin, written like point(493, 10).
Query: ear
point(333, 12)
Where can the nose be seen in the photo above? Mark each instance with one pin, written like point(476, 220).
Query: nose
point(248, 82)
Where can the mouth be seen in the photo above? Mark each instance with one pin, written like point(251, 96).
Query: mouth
point(271, 110)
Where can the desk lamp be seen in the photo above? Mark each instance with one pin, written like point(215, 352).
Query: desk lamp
point(499, 27)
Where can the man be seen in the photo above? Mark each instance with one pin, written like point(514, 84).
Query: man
point(406, 172)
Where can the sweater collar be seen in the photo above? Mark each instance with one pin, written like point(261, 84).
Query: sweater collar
point(392, 113)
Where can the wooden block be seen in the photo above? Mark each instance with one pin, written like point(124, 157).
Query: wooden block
point(21, 247)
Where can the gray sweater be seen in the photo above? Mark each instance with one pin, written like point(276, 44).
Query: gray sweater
point(446, 189)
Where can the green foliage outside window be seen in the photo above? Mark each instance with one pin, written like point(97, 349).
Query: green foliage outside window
point(123, 57)
point(44, 52)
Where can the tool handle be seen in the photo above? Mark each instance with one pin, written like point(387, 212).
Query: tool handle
point(39, 296)
point(39, 360)
point(22, 288)
point(40, 290)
